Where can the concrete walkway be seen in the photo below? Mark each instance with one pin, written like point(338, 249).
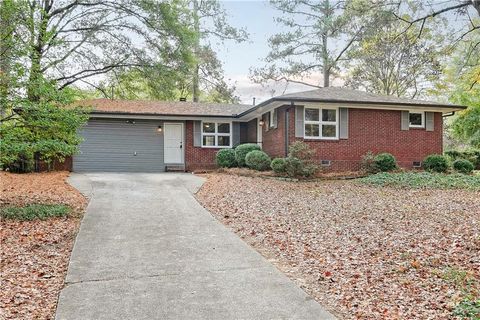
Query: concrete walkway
point(147, 250)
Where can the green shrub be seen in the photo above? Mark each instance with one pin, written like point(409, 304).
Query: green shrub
point(34, 211)
point(302, 151)
point(225, 158)
point(463, 166)
point(435, 163)
point(472, 155)
point(258, 160)
point(242, 150)
point(385, 162)
point(367, 163)
point(296, 168)
point(278, 165)
point(300, 161)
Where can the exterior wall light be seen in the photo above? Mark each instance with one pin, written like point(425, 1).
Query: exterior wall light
point(261, 123)
point(159, 129)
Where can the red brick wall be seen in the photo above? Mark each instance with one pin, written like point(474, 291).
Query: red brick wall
point(371, 130)
point(274, 138)
point(197, 158)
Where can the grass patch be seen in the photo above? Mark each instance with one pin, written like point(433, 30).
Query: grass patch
point(424, 180)
point(34, 211)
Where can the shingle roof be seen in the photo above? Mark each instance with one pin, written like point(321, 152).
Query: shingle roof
point(335, 94)
point(178, 108)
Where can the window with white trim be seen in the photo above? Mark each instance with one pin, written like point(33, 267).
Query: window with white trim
point(216, 134)
point(416, 119)
point(321, 123)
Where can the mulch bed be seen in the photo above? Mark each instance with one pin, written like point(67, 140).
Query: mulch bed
point(35, 254)
point(363, 252)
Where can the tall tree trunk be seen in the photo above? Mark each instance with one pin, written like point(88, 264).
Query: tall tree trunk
point(196, 69)
point(6, 30)
point(36, 46)
point(326, 62)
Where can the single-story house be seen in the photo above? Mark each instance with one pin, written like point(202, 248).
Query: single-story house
point(340, 124)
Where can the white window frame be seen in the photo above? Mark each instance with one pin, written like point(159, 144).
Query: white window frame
point(217, 134)
point(270, 119)
point(416, 125)
point(320, 123)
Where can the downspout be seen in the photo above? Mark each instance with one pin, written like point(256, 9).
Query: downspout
point(287, 127)
point(448, 114)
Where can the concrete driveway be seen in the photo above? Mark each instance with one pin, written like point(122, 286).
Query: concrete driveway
point(147, 250)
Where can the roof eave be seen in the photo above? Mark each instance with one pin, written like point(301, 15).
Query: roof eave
point(448, 108)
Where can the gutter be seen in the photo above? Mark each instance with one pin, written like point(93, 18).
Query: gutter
point(446, 115)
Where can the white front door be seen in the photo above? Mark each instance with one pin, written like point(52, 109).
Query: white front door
point(173, 142)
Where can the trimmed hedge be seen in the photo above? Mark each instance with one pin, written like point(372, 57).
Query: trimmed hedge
point(435, 163)
point(242, 150)
point(225, 158)
point(385, 162)
point(278, 165)
point(463, 166)
point(258, 160)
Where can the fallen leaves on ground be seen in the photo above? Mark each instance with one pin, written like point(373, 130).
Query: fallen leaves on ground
point(35, 254)
point(363, 252)
point(47, 188)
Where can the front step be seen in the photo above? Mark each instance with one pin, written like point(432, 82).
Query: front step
point(175, 168)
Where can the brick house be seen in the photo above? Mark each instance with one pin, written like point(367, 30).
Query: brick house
point(340, 124)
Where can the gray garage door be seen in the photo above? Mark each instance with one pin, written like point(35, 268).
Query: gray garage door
point(120, 146)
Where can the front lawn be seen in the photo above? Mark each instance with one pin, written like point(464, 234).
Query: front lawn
point(361, 251)
point(424, 180)
point(40, 216)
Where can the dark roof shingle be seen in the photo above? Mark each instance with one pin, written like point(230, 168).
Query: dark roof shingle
point(178, 108)
point(335, 94)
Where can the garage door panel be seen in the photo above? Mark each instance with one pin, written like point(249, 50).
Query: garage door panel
point(118, 146)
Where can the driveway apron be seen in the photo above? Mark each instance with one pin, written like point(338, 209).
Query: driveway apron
point(148, 250)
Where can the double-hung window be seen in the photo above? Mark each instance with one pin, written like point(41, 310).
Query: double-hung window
point(216, 134)
point(321, 123)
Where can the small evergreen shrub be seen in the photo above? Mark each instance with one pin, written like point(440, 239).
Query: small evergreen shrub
point(294, 167)
point(463, 166)
point(258, 160)
point(242, 150)
point(385, 162)
point(278, 165)
point(302, 151)
point(435, 163)
point(472, 155)
point(300, 161)
point(367, 163)
point(225, 158)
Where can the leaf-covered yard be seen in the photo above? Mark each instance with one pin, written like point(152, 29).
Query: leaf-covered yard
point(361, 251)
point(35, 254)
